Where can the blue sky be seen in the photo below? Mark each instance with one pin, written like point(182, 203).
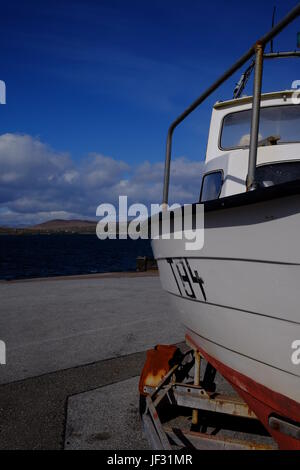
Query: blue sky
point(93, 85)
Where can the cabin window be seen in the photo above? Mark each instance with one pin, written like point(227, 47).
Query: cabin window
point(278, 125)
point(277, 173)
point(211, 186)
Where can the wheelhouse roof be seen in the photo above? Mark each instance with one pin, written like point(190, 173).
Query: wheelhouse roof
point(284, 94)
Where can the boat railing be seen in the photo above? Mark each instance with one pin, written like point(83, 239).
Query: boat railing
point(256, 50)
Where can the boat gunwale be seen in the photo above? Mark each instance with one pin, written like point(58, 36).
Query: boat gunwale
point(258, 195)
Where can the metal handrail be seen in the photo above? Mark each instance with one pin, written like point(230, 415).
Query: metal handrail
point(259, 60)
point(282, 55)
point(293, 14)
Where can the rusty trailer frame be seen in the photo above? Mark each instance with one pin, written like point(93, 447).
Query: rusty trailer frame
point(177, 393)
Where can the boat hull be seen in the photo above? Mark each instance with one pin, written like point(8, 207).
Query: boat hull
point(238, 299)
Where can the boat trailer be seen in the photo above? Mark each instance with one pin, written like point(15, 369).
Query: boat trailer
point(179, 410)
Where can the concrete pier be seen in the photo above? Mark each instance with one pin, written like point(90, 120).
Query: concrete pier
point(49, 325)
point(75, 348)
point(67, 336)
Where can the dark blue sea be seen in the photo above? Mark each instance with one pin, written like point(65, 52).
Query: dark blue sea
point(28, 256)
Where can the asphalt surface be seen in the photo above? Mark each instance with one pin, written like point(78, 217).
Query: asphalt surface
point(68, 336)
point(106, 418)
point(75, 349)
point(49, 325)
point(33, 412)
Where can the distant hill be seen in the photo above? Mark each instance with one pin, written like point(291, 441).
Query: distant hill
point(5, 229)
point(61, 224)
point(54, 226)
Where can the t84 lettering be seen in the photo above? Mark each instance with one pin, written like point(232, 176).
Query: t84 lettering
point(188, 282)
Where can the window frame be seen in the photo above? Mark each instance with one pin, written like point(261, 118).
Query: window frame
point(227, 149)
point(221, 171)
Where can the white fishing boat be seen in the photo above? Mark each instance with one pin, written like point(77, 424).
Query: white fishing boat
point(238, 297)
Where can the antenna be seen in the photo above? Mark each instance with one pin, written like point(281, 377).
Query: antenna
point(273, 22)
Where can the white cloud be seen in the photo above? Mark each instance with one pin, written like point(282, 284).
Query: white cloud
point(38, 183)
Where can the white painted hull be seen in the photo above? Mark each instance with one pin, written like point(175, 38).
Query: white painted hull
point(250, 266)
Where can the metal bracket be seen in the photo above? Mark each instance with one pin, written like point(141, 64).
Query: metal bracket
point(195, 397)
point(289, 428)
